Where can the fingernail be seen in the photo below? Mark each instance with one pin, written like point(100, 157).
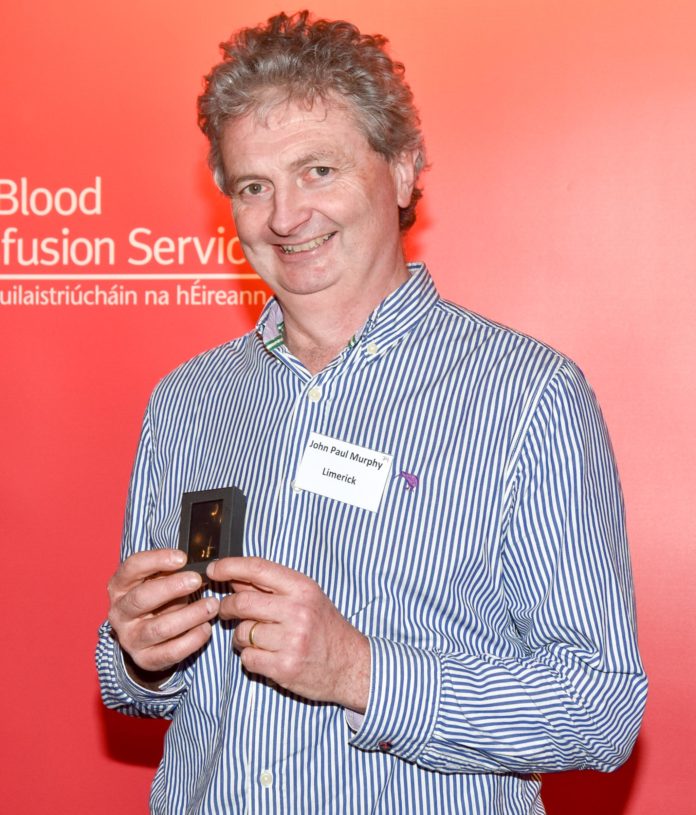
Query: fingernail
point(178, 557)
point(192, 580)
point(211, 606)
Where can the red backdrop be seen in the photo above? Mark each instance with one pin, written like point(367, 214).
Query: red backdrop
point(560, 201)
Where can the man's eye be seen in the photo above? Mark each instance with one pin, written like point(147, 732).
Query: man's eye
point(322, 172)
point(253, 189)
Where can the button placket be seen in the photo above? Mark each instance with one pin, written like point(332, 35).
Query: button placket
point(312, 395)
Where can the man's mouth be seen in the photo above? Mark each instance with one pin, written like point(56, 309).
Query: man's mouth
point(293, 249)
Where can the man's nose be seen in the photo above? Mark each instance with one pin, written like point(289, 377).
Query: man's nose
point(290, 210)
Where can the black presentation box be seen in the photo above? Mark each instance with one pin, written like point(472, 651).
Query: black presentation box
point(212, 526)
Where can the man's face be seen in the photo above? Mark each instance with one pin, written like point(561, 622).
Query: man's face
point(316, 209)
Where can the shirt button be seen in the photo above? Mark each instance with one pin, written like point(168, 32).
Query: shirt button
point(266, 778)
point(314, 394)
point(293, 486)
point(372, 348)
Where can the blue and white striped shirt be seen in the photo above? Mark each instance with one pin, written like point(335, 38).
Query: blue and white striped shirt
point(493, 582)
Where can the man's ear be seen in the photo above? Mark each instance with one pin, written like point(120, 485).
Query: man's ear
point(404, 172)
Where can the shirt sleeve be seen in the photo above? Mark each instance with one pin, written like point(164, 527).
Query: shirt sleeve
point(119, 691)
point(573, 696)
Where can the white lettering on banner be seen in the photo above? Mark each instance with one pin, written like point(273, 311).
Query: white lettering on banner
point(66, 249)
point(53, 251)
point(119, 295)
point(116, 295)
point(343, 471)
point(19, 199)
point(69, 250)
point(198, 294)
point(165, 250)
point(88, 259)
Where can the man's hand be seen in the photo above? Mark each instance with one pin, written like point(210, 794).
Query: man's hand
point(150, 613)
point(299, 638)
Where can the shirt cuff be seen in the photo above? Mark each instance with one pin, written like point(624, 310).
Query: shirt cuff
point(170, 687)
point(404, 699)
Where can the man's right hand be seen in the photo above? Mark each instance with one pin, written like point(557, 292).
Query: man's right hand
point(153, 620)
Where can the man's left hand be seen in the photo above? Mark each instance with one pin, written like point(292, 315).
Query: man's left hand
point(290, 632)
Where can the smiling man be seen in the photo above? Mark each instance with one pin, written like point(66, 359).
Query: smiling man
point(435, 602)
point(316, 211)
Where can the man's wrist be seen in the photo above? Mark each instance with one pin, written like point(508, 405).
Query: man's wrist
point(355, 690)
point(150, 680)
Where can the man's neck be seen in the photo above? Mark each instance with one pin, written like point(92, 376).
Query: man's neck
point(317, 332)
point(317, 342)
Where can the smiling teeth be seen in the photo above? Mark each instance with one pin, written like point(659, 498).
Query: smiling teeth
point(305, 247)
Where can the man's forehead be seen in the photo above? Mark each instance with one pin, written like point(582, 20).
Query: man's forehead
point(293, 133)
point(278, 110)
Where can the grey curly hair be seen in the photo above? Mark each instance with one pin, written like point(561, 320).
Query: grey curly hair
point(308, 60)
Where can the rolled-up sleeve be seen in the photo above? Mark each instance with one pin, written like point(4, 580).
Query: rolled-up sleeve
point(574, 694)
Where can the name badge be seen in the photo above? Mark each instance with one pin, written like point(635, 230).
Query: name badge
point(345, 472)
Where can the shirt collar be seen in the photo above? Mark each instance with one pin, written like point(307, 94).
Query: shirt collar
point(394, 317)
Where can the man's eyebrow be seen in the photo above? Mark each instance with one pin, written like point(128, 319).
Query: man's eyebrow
point(315, 157)
point(234, 180)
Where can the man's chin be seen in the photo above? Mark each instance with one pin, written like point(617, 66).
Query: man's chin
point(315, 288)
point(301, 279)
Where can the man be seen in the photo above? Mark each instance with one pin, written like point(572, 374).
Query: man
point(436, 601)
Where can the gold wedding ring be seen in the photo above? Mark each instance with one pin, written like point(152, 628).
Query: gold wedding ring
point(251, 635)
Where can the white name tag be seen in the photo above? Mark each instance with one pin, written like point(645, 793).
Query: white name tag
point(345, 472)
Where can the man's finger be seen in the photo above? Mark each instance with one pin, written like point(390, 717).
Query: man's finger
point(169, 626)
point(256, 634)
point(261, 573)
point(256, 605)
point(151, 595)
point(142, 565)
point(258, 661)
point(164, 656)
